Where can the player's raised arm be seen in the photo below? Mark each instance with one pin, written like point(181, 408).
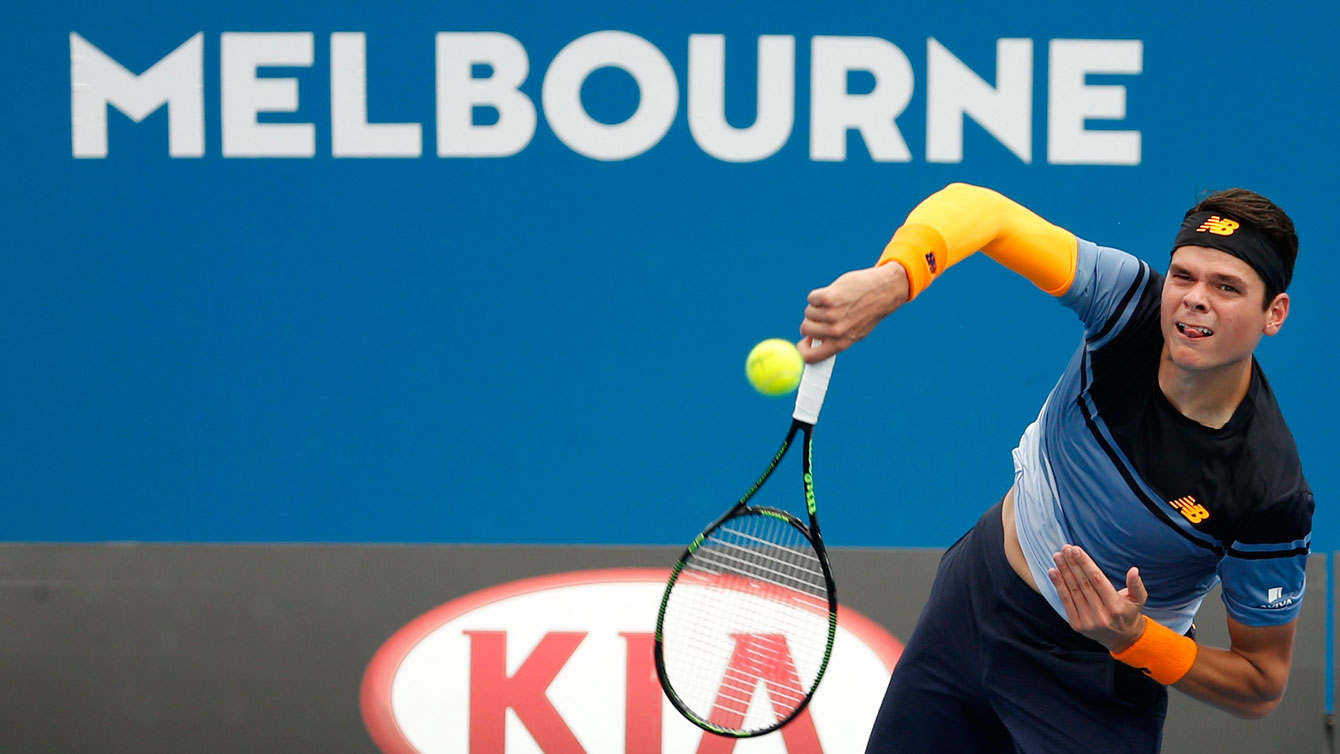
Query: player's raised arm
point(945, 228)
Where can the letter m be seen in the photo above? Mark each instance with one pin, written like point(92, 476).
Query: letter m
point(97, 81)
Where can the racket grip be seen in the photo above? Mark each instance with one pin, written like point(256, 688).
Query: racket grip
point(813, 388)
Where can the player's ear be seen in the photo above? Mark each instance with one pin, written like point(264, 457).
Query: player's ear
point(1276, 312)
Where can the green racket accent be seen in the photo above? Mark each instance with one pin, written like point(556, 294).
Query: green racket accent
point(809, 494)
point(828, 651)
point(717, 729)
point(772, 465)
point(692, 546)
point(809, 477)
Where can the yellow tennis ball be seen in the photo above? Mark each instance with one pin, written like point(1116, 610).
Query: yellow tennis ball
point(774, 367)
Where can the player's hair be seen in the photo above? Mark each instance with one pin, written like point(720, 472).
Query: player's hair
point(1260, 213)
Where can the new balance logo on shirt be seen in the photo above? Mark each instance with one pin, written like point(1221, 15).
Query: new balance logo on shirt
point(1188, 507)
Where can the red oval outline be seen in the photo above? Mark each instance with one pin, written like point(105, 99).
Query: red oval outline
point(375, 691)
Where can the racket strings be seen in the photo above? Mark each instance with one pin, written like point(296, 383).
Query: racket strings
point(789, 567)
point(746, 629)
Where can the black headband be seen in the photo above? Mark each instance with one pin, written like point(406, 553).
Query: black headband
point(1216, 231)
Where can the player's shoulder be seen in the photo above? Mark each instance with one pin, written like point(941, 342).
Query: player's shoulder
point(1270, 445)
point(1110, 286)
point(1105, 265)
point(1137, 289)
point(1282, 502)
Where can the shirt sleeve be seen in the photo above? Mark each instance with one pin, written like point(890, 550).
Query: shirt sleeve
point(1107, 289)
point(1264, 582)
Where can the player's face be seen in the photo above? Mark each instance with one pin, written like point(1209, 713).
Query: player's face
point(1211, 314)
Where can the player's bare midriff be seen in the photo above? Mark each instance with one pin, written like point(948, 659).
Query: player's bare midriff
point(1013, 551)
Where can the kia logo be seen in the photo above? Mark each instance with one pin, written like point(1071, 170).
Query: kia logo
point(562, 664)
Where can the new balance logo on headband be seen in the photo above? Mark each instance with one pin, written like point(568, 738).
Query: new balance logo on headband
point(1219, 226)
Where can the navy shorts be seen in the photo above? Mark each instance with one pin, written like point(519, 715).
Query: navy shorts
point(991, 667)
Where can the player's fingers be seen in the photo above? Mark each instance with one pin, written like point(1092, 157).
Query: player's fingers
point(820, 313)
point(1135, 587)
point(818, 297)
point(1091, 573)
point(812, 329)
point(1061, 589)
point(812, 353)
point(1073, 588)
point(1087, 593)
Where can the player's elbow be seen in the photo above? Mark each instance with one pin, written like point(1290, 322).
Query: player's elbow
point(967, 199)
point(1265, 701)
point(1257, 710)
point(966, 191)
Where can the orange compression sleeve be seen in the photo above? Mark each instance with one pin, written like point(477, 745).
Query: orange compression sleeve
point(953, 223)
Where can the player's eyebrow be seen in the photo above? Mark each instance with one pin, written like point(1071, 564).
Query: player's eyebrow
point(1218, 277)
point(1229, 278)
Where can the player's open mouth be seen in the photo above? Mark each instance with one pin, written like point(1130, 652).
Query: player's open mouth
point(1194, 331)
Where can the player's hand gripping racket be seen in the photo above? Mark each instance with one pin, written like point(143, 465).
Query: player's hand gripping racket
point(749, 614)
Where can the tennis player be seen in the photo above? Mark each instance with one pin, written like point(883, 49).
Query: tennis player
point(1158, 466)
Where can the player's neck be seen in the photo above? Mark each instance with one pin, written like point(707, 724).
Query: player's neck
point(1208, 397)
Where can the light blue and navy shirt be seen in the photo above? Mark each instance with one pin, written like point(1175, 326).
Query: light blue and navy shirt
point(1111, 466)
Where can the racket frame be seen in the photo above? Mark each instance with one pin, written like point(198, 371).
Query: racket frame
point(810, 531)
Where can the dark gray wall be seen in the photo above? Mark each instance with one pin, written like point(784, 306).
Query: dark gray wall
point(250, 648)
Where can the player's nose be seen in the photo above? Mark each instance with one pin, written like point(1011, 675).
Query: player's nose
point(1196, 298)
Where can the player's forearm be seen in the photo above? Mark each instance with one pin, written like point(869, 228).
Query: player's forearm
point(1234, 683)
point(960, 219)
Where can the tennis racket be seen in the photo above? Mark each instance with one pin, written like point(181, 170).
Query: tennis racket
point(749, 614)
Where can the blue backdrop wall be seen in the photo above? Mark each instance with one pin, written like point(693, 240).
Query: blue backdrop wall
point(547, 345)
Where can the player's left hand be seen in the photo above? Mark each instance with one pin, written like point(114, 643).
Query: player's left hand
point(1093, 606)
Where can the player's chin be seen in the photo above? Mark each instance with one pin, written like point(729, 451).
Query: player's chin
point(1193, 356)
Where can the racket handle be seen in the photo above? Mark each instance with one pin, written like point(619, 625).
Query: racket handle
point(813, 388)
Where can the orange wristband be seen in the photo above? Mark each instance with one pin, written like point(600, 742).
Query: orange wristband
point(921, 251)
point(1160, 653)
